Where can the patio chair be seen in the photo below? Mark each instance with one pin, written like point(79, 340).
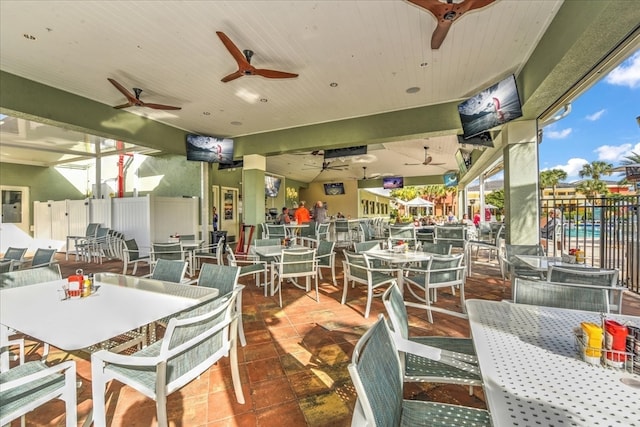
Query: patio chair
point(30, 276)
point(211, 253)
point(92, 248)
point(308, 235)
point(440, 272)
point(515, 267)
point(456, 235)
point(186, 237)
point(250, 266)
point(224, 278)
point(366, 232)
point(168, 251)
point(458, 363)
point(294, 264)
point(31, 385)
point(442, 248)
point(343, 233)
point(590, 276)
point(562, 295)
point(491, 246)
point(358, 269)
point(377, 376)
point(5, 265)
point(170, 271)
point(42, 257)
point(131, 255)
point(326, 258)
point(90, 233)
point(192, 343)
point(404, 233)
point(322, 231)
point(15, 256)
point(275, 231)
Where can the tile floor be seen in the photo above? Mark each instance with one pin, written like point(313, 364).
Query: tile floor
point(294, 366)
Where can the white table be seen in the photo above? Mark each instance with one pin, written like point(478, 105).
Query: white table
point(122, 304)
point(534, 376)
point(398, 259)
point(542, 263)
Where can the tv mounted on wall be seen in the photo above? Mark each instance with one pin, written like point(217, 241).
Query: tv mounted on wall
point(334, 188)
point(493, 106)
point(271, 186)
point(482, 139)
point(463, 159)
point(234, 164)
point(209, 149)
point(332, 153)
point(450, 179)
point(392, 182)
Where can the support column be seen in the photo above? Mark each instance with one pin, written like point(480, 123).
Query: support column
point(522, 203)
point(254, 166)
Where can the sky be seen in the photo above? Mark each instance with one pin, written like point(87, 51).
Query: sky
point(602, 124)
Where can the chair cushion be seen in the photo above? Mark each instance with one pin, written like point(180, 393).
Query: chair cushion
point(22, 396)
point(421, 413)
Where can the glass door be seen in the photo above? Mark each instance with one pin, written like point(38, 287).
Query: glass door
point(15, 206)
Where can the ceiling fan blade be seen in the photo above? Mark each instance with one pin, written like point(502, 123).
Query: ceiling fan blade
point(132, 99)
point(233, 50)
point(272, 74)
point(232, 76)
point(161, 107)
point(413, 164)
point(123, 106)
point(440, 33)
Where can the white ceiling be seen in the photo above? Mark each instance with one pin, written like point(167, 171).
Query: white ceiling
point(374, 50)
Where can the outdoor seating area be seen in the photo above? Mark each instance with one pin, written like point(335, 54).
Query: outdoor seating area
point(294, 360)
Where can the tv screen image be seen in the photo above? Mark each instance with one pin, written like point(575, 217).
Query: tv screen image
point(633, 173)
point(332, 153)
point(209, 149)
point(334, 189)
point(271, 186)
point(482, 139)
point(463, 159)
point(493, 106)
point(450, 179)
point(391, 182)
point(234, 164)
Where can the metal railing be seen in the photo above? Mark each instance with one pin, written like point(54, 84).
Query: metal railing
point(607, 229)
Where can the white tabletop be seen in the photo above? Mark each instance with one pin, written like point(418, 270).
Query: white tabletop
point(122, 304)
point(542, 263)
point(398, 257)
point(534, 376)
point(274, 251)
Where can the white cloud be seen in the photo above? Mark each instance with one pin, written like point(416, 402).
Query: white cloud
point(627, 73)
point(572, 168)
point(615, 153)
point(557, 134)
point(596, 116)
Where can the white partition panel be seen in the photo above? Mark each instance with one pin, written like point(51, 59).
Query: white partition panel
point(132, 216)
point(59, 220)
point(41, 220)
point(172, 215)
point(101, 211)
point(77, 219)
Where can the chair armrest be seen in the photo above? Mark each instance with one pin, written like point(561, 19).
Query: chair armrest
point(106, 356)
point(450, 358)
point(437, 309)
point(48, 371)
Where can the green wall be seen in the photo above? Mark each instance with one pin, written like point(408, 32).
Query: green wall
point(44, 183)
point(180, 176)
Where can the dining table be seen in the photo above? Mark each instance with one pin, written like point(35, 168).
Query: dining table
point(118, 305)
point(542, 263)
point(398, 258)
point(533, 372)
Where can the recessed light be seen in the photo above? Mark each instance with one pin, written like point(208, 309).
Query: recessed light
point(414, 89)
point(424, 64)
point(264, 100)
point(333, 84)
point(28, 36)
point(206, 113)
point(236, 123)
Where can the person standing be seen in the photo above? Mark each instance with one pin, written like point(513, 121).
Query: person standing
point(319, 212)
point(284, 219)
point(215, 219)
point(302, 214)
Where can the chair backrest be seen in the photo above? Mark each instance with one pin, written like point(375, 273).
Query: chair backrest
point(220, 250)
point(231, 257)
point(446, 269)
point(562, 295)
point(275, 231)
point(517, 266)
point(5, 266)
point(323, 231)
point(367, 231)
point(92, 229)
point(356, 266)
point(582, 275)
point(455, 235)
point(324, 248)
point(170, 251)
point(169, 270)
point(376, 374)
point(360, 247)
point(221, 277)
point(267, 242)
point(102, 233)
point(30, 276)
point(15, 254)
point(43, 257)
point(402, 232)
point(442, 248)
point(297, 262)
point(342, 226)
point(131, 250)
point(396, 310)
point(186, 237)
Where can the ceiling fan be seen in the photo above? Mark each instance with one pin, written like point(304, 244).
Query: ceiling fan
point(134, 101)
point(446, 12)
point(372, 176)
point(328, 166)
point(244, 63)
point(427, 160)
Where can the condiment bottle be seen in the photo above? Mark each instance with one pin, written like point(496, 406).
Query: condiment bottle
point(593, 342)
point(615, 339)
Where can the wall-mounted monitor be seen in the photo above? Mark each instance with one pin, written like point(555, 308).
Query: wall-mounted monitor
point(492, 107)
point(209, 149)
point(392, 182)
point(482, 139)
point(450, 179)
point(332, 153)
point(633, 173)
point(463, 159)
point(271, 185)
point(334, 188)
point(232, 165)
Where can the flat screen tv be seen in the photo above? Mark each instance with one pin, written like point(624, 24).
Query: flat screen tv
point(271, 186)
point(483, 139)
point(332, 153)
point(234, 164)
point(334, 188)
point(493, 106)
point(463, 159)
point(210, 149)
point(633, 173)
point(450, 179)
point(392, 182)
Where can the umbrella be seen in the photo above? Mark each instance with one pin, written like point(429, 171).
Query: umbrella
point(417, 202)
point(490, 206)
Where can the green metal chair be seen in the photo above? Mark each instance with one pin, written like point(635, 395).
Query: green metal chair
point(30, 276)
point(131, 255)
point(192, 343)
point(590, 276)
point(170, 271)
point(15, 256)
point(458, 363)
point(295, 264)
point(515, 267)
point(561, 295)
point(442, 248)
point(43, 257)
point(326, 258)
point(490, 246)
point(249, 266)
point(440, 272)
point(456, 235)
point(358, 269)
point(376, 373)
point(31, 385)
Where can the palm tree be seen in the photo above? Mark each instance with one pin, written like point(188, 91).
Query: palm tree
point(632, 159)
point(595, 170)
point(551, 178)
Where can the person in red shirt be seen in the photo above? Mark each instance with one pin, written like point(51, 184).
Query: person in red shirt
point(476, 219)
point(302, 214)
